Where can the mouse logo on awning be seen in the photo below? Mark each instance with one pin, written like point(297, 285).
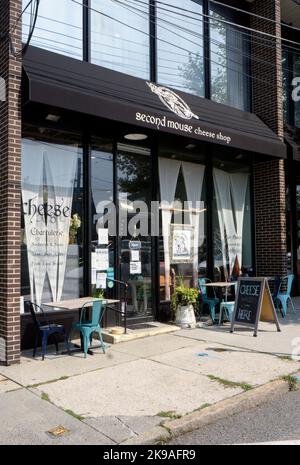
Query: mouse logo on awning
point(172, 101)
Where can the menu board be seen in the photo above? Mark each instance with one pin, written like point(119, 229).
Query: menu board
point(253, 303)
point(248, 301)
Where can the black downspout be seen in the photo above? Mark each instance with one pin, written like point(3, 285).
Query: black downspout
point(86, 31)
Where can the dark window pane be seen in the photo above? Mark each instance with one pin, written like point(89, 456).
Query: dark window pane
point(229, 69)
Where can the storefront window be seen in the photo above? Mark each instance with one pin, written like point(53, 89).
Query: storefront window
point(120, 38)
point(229, 64)
point(58, 27)
point(180, 46)
point(183, 219)
point(232, 233)
point(51, 246)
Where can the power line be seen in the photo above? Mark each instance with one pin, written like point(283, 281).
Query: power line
point(250, 13)
point(208, 17)
point(33, 19)
point(214, 41)
point(267, 83)
point(6, 34)
point(250, 39)
point(194, 43)
point(183, 49)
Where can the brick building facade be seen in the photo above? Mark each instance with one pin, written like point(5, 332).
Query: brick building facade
point(10, 189)
point(269, 190)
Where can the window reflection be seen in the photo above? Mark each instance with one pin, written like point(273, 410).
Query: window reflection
point(229, 69)
point(180, 46)
point(58, 27)
point(119, 37)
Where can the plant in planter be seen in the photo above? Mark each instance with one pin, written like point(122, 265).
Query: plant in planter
point(184, 299)
point(75, 224)
point(98, 293)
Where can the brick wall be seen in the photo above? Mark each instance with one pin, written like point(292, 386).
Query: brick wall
point(269, 176)
point(10, 176)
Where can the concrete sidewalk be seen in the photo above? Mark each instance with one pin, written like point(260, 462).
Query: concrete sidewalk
point(137, 385)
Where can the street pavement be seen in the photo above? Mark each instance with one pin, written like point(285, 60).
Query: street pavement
point(276, 422)
point(139, 384)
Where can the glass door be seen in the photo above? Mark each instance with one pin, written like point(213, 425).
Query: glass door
point(134, 193)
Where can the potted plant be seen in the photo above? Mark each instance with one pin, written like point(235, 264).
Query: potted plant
point(75, 224)
point(184, 299)
point(98, 293)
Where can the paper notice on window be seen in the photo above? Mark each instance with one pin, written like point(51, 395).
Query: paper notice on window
point(94, 261)
point(102, 236)
point(94, 276)
point(101, 280)
point(135, 255)
point(135, 267)
point(102, 259)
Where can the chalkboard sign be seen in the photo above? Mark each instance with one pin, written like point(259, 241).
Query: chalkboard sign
point(253, 303)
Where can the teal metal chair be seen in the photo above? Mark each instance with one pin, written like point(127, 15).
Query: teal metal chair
point(227, 307)
point(284, 297)
point(212, 302)
point(88, 327)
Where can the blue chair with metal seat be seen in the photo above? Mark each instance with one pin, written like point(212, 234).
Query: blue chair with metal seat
point(212, 302)
point(88, 327)
point(44, 329)
point(284, 296)
point(276, 288)
point(227, 307)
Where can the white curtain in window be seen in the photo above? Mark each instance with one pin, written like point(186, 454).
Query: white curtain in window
point(193, 177)
point(231, 189)
point(225, 215)
point(168, 176)
point(35, 226)
point(239, 184)
point(48, 174)
point(61, 163)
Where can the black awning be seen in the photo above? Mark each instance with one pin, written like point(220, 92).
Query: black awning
point(74, 85)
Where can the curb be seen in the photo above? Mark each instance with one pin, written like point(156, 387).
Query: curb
point(216, 412)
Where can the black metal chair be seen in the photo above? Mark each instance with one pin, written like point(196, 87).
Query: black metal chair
point(44, 329)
